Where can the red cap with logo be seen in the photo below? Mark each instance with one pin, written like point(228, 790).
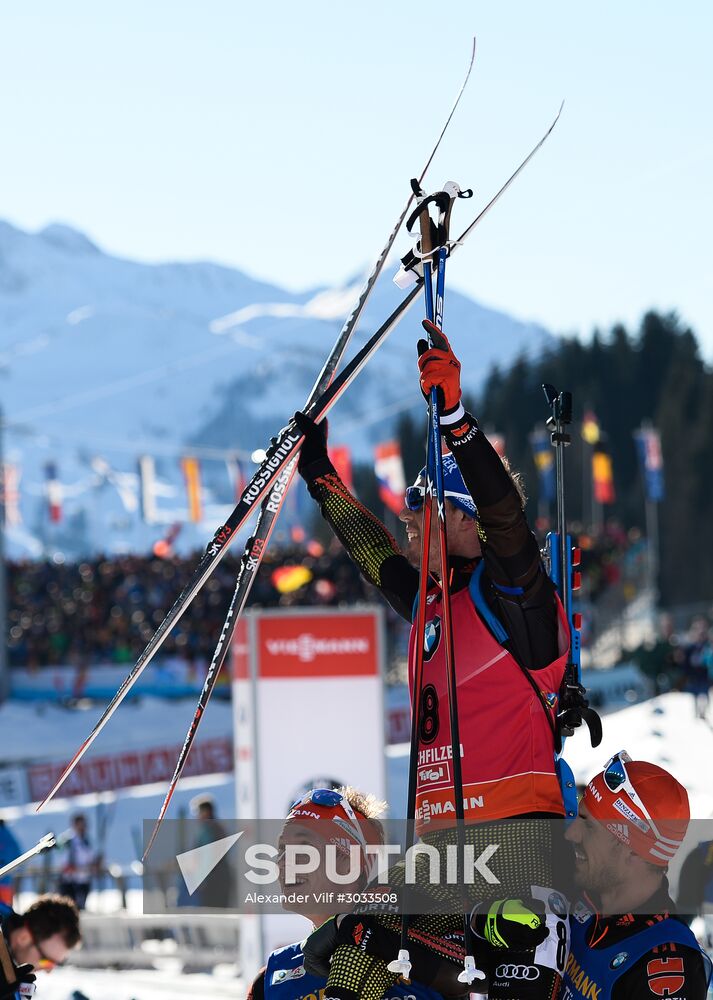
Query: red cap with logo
point(329, 813)
point(642, 805)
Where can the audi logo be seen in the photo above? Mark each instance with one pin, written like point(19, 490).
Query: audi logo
point(517, 972)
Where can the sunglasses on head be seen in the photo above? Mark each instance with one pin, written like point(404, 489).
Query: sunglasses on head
point(331, 798)
point(616, 778)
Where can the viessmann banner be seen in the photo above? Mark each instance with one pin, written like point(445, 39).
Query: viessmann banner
point(306, 679)
point(337, 645)
point(308, 711)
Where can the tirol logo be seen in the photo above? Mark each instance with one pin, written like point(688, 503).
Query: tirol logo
point(430, 775)
point(307, 647)
point(431, 637)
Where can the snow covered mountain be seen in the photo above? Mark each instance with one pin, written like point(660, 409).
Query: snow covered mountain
point(103, 360)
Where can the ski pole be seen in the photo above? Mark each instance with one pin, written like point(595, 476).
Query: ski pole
point(43, 844)
point(563, 559)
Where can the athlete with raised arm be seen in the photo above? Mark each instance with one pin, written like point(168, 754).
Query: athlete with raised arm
point(511, 644)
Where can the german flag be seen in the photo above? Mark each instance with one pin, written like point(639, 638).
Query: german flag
point(287, 579)
point(602, 476)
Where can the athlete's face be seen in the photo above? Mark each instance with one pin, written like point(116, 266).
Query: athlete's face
point(44, 954)
point(600, 859)
point(312, 884)
point(460, 529)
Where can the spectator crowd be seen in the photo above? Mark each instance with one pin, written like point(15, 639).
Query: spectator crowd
point(681, 658)
point(106, 609)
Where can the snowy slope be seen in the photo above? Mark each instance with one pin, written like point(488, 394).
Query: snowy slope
point(102, 356)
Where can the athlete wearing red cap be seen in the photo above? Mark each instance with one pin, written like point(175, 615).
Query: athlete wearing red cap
point(626, 941)
point(511, 648)
point(347, 819)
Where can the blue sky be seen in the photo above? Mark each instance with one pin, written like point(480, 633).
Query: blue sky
point(279, 138)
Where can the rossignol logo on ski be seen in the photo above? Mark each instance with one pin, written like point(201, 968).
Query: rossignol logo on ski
point(274, 500)
point(273, 461)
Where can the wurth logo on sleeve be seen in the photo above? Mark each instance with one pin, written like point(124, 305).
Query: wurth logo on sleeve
point(666, 976)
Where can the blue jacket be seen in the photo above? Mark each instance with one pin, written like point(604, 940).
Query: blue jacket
point(592, 973)
point(286, 979)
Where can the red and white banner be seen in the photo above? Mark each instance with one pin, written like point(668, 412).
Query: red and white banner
point(126, 770)
point(389, 471)
point(334, 645)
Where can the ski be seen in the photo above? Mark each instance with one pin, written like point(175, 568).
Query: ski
point(269, 511)
point(282, 450)
point(43, 844)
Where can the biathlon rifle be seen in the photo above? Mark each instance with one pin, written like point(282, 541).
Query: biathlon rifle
point(563, 560)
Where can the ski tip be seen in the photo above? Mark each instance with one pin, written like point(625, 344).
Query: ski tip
point(63, 776)
point(159, 820)
point(152, 838)
point(149, 846)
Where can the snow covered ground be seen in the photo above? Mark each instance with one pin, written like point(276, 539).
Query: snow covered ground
point(98, 984)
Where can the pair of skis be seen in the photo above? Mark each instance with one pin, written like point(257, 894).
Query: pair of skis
point(270, 482)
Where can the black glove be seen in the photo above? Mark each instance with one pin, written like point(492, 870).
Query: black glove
point(11, 975)
point(319, 947)
point(314, 446)
point(510, 923)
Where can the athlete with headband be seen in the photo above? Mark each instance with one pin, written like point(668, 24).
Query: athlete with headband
point(511, 644)
point(626, 941)
point(345, 818)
